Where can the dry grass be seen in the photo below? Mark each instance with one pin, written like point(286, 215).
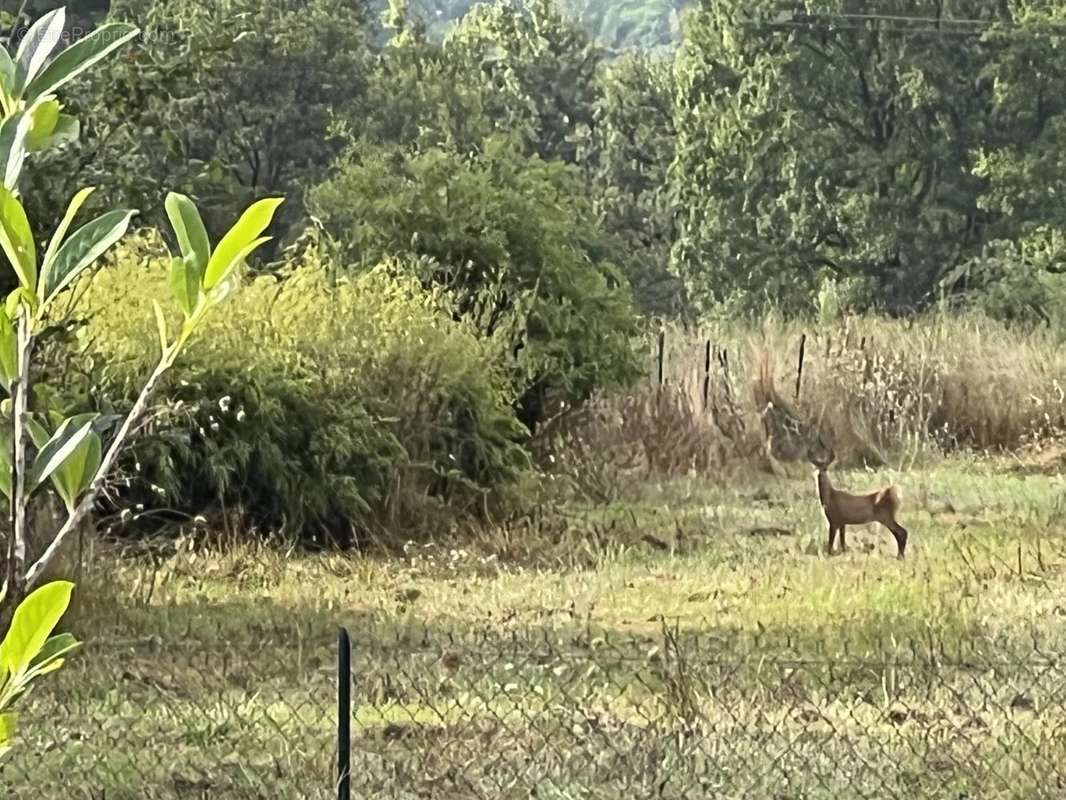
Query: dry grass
point(883, 391)
point(209, 671)
point(540, 638)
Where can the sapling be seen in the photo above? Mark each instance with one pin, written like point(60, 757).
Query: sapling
point(53, 453)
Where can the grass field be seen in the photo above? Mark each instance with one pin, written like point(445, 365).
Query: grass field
point(693, 640)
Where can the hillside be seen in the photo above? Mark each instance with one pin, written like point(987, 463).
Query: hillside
point(617, 24)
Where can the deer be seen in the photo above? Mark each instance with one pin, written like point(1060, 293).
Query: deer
point(843, 509)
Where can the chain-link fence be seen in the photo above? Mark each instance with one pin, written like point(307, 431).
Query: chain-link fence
point(545, 714)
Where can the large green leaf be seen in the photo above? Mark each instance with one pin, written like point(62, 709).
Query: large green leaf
point(189, 230)
point(79, 57)
point(64, 443)
point(50, 657)
point(225, 288)
point(7, 72)
point(32, 624)
point(38, 434)
point(235, 244)
point(221, 289)
point(44, 117)
point(67, 130)
point(13, 134)
point(74, 475)
point(185, 284)
point(76, 203)
point(16, 239)
point(17, 298)
point(38, 43)
point(83, 247)
point(8, 351)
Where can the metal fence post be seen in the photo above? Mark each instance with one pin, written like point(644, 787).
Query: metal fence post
point(344, 715)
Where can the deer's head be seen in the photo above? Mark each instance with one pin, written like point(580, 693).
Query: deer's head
point(820, 453)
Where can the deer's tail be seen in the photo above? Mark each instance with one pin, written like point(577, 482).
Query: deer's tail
point(890, 499)
point(893, 497)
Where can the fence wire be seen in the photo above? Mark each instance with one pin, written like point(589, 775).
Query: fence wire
point(542, 714)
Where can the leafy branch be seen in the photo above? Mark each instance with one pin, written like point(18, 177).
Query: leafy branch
point(66, 455)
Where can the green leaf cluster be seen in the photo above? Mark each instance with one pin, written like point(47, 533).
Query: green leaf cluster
point(516, 243)
point(324, 410)
point(29, 650)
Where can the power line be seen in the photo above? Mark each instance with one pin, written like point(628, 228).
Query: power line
point(836, 28)
point(940, 26)
point(903, 18)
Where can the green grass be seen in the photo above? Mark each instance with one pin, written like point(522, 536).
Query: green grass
point(663, 645)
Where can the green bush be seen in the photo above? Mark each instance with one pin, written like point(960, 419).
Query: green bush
point(325, 411)
point(516, 242)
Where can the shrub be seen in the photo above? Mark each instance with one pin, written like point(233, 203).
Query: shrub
point(324, 410)
point(880, 389)
point(515, 240)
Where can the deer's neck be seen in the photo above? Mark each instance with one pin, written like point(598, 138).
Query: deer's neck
point(824, 487)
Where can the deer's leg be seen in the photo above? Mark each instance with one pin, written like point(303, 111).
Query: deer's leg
point(832, 537)
point(900, 535)
point(843, 541)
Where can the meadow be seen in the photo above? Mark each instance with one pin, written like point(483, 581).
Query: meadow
point(518, 385)
point(689, 639)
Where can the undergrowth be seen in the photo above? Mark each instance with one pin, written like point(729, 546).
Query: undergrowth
point(317, 409)
point(883, 391)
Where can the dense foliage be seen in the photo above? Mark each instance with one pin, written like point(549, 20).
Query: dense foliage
point(887, 151)
point(554, 192)
point(229, 101)
point(316, 408)
point(515, 243)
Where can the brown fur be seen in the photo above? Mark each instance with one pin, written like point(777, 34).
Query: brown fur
point(843, 509)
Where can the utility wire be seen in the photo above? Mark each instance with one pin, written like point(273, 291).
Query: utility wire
point(933, 25)
point(807, 26)
point(903, 18)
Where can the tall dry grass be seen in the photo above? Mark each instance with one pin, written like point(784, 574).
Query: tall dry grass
point(882, 391)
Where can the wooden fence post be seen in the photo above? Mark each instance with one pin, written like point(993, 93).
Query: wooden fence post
point(706, 374)
point(662, 354)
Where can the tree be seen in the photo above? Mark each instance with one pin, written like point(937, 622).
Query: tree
point(1022, 158)
point(504, 70)
point(630, 25)
point(536, 71)
point(419, 95)
point(44, 449)
point(633, 147)
point(516, 241)
point(616, 24)
point(812, 143)
point(225, 101)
